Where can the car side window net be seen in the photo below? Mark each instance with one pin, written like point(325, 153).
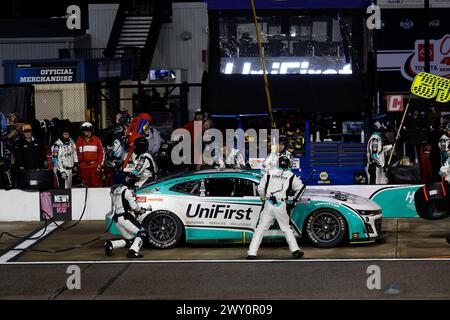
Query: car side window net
point(246, 188)
point(220, 187)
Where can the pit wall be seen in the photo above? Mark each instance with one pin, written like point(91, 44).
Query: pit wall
point(16, 205)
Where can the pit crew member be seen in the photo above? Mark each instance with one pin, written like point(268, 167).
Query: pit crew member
point(126, 209)
point(142, 163)
point(274, 189)
point(231, 158)
point(444, 145)
point(90, 155)
point(65, 159)
point(376, 156)
point(281, 150)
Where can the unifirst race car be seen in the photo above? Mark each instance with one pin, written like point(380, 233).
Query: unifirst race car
point(223, 205)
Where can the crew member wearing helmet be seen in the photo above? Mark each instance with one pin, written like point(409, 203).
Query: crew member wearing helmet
point(90, 156)
point(280, 150)
point(274, 188)
point(142, 164)
point(231, 158)
point(153, 137)
point(445, 174)
point(115, 154)
point(125, 213)
point(444, 145)
point(65, 159)
point(376, 156)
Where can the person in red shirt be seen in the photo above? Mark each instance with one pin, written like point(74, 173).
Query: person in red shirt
point(90, 156)
point(189, 126)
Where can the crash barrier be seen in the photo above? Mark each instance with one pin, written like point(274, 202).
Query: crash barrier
point(397, 201)
point(18, 205)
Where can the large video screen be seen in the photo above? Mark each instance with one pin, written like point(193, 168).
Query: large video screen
point(291, 45)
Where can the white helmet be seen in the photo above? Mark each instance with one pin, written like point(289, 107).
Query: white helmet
point(87, 126)
point(379, 125)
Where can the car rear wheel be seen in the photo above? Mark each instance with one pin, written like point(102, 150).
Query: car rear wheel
point(326, 228)
point(164, 228)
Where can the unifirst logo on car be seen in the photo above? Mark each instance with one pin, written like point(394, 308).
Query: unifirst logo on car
point(216, 209)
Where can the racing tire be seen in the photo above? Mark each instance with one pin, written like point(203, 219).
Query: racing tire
point(164, 229)
point(326, 228)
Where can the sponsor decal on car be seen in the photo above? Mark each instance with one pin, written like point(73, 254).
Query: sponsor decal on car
point(217, 211)
point(141, 199)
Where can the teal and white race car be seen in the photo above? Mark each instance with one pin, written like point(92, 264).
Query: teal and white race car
point(223, 205)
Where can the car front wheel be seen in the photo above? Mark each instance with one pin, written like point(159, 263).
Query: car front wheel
point(164, 228)
point(326, 228)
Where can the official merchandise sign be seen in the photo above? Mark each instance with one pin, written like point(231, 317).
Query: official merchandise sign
point(56, 204)
point(29, 73)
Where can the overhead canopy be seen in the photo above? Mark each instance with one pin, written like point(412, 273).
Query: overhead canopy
point(239, 94)
point(291, 4)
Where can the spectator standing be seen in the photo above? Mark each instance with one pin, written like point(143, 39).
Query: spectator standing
point(189, 126)
point(90, 156)
point(5, 155)
point(29, 153)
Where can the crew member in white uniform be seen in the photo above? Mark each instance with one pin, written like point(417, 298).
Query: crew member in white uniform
point(444, 145)
point(142, 163)
point(274, 189)
point(445, 174)
point(126, 210)
point(445, 171)
point(376, 156)
point(231, 158)
point(65, 159)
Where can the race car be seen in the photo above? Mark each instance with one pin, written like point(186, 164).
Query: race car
point(223, 205)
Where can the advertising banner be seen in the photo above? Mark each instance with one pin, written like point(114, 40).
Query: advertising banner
point(56, 204)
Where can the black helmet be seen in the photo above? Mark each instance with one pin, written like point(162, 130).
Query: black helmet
point(140, 145)
point(284, 162)
point(283, 140)
point(118, 131)
point(130, 180)
point(61, 134)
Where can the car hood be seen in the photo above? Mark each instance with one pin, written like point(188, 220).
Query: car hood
point(343, 198)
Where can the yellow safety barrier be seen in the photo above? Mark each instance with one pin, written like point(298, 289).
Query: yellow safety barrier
point(430, 86)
